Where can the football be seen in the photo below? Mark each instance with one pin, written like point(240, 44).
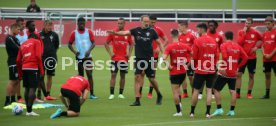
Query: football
point(17, 110)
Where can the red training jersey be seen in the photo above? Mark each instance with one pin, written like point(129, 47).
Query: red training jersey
point(205, 55)
point(119, 44)
point(269, 44)
point(160, 34)
point(29, 56)
point(76, 84)
point(72, 36)
point(231, 54)
point(187, 38)
point(179, 55)
point(39, 38)
point(217, 37)
point(248, 41)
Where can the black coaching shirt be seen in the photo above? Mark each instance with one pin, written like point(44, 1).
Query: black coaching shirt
point(51, 43)
point(12, 48)
point(143, 41)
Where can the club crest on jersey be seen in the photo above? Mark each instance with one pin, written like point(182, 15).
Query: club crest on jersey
point(252, 35)
point(217, 39)
point(125, 37)
point(272, 36)
point(147, 33)
point(188, 39)
point(42, 37)
point(51, 37)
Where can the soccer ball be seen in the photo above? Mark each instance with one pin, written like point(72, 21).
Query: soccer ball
point(17, 110)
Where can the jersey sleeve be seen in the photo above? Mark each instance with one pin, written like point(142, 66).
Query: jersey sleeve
point(133, 31)
point(167, 50)
point(241, 38)
point(129, 39)
point(195, 50)
point(91, 35)
point(259, 37)
point(223, 52)
point(109, 38)
point(161, 33)
point(19, 63)
point(72, 37)
point(56, 41)
point(244, 58)
point(155, 35)
point(38, 57)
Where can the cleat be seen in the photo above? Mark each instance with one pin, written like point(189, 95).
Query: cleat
point(135, 104)
point(49, 98)
point(31, 114)
point(39, 100)
point(230, 113)
point(179, 114)
point(120, 96)
point(159, 100)
point(111, 97)
point(208, 116)
point(238, 96)
point(20, 100)
point(150, 95)
point(218, 112)
point(93, 97)
point(192, 115)
point(184, 95)
point(200, 96)
point(265, 97)
point(56, 114)
point(249, 96)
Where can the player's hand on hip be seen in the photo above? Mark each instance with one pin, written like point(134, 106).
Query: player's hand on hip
point(77, 53)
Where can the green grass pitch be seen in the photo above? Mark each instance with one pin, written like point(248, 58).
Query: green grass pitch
point(104, 112)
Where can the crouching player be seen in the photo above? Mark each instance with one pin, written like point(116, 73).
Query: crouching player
point(231, 53)
point(179, 53)
point(73, 94)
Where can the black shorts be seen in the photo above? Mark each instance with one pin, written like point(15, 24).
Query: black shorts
point(84, 64)
point(30, 78)
point(13, 74)
point(268, 66)
point(190, 71)
point(199, 80)
point(251, 66)
point(145, 65)
point(49, 64)
point(221, 82)
point(119, 65)
point(74, 99)
point(177, 79)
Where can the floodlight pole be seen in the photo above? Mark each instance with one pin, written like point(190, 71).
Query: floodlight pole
point(234, 10)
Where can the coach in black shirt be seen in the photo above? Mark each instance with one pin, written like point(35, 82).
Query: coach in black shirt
point(33, 7)
point(144, 61)
point(51, 45)
point(12, 48)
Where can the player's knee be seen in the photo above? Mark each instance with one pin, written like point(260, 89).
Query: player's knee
point(267, 76)
point(251, 76)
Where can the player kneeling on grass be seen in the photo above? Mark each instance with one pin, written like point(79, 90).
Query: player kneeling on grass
point(73, 94)
point(179, 53)
point(231, 53)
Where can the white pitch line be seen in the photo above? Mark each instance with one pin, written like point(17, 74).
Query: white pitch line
point(195, 121)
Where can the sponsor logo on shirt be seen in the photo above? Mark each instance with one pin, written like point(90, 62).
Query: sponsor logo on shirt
point(252, 35)
point(217, 39)
point(147, 33)
point(188, 39)
point(272, 36)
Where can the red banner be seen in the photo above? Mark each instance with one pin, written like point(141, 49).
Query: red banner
point(100, 28)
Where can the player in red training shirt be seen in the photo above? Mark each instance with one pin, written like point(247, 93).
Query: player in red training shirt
point(227, 73)
point(205, 57)
point(179, 55)
point(119, 57)
point(269, 52)
point(186, 37)
point(249, 40)
point(30, 69)
point(75, 90)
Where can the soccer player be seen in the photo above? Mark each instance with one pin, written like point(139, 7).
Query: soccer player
point(249, 40)
point(144, 61)
point(73, 94)
point(30, 69)
point(119, 57)
point(156, 50)
point(179, 55)
point(227, 73)
point(188, 39)
point(50, 40)
point(269, 52)
point(84, 43)
point(205, 56)
point(12, 47)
